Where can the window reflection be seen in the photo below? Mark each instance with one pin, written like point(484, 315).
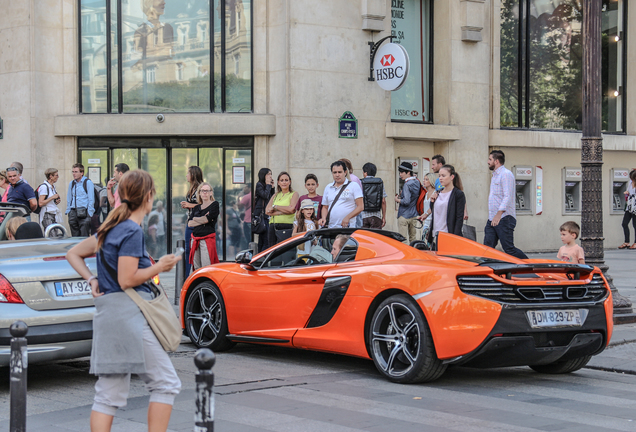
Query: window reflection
point(167, 49)
point(554, 64)
point(164, 56)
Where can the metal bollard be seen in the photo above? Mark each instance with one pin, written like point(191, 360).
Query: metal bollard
point(18, 363)
point(179, 273)
point(204, 359)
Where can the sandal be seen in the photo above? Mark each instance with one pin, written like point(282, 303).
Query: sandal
point(624, 246)
point(633, 246)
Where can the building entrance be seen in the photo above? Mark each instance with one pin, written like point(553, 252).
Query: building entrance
point(226, 164)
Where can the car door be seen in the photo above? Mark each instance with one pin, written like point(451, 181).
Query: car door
point(275, 300)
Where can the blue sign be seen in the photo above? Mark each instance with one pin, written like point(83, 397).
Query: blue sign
point(348, 126)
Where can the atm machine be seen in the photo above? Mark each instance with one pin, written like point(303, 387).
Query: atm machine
point(524, 189)
point(572, 178)
point(620, 180)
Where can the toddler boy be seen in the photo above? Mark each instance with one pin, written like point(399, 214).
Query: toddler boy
point(570, 251)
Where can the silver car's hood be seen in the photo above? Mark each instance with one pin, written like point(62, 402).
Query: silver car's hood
point(36, 248)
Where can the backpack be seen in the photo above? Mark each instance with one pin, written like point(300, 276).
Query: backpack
point(420, 200)
point(372, 193)
point(96, 192)
point(37, 198)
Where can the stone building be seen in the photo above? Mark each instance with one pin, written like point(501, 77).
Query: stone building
point(244, 84)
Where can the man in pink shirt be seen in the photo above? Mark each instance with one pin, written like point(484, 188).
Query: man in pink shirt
point(118, 172)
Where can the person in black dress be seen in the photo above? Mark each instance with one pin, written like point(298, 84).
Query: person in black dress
point(264, 192)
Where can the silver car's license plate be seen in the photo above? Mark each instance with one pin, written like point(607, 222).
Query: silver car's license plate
point(72, 289)
point(554, 318)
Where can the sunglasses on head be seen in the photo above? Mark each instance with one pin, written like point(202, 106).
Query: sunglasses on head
point(12, 169)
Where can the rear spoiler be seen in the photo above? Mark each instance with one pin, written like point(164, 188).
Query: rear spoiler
point(507, 269)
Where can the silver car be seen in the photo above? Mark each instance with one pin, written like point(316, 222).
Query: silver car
point(39, 287)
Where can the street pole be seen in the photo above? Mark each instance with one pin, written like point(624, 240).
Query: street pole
point(592, 150)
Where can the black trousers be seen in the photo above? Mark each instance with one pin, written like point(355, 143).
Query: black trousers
point(626, 218)
point(79, 227)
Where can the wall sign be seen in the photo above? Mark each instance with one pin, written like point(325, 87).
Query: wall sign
point(621, 174)
point(238, 175)
point(348, 126)
point(391, 66)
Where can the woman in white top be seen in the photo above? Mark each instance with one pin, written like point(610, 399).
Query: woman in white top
point(630, 210)
point(429, 184)
point(447, 211)
point(48, 199)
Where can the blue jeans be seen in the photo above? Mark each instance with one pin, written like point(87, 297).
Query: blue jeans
point(504, 233)
point(188, 239)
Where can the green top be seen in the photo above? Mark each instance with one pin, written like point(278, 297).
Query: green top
point(283, 200)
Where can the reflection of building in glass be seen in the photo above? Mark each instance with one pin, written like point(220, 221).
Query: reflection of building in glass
point(93, 45)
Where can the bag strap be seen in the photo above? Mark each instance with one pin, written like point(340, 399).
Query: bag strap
point(334, 203)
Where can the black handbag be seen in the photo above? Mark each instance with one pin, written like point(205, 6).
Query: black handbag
point(82, 212)
point(469, 232)
point(282, 234)
point(259, 224)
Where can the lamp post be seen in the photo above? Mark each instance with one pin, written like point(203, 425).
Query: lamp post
point(592, 149)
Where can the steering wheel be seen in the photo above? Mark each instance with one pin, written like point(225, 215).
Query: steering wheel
point(309, 258)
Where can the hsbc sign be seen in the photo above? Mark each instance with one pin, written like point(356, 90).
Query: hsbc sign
point(391, 66)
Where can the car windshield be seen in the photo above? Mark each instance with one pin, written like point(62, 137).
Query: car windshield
point(6, 214)
point(311, 249)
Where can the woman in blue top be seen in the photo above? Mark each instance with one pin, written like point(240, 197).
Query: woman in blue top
point(123, 343)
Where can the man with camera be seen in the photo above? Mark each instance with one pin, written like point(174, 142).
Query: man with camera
point(80, 202)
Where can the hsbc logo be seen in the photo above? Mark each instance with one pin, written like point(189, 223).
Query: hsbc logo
point(391, 66)
point(387, 60)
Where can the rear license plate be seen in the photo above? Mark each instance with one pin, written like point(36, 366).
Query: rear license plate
point(72, 289)
point(554, 318)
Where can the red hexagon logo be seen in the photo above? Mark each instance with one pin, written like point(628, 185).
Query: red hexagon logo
point(387, 60)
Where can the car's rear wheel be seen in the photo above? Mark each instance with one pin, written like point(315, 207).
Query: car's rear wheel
point(205, 318)
point(562, 367)
point(401, 343)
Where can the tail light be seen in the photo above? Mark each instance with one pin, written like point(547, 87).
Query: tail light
point(155, 279)
point(8, 294)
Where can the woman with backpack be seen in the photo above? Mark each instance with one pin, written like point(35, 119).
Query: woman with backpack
point(447, 212)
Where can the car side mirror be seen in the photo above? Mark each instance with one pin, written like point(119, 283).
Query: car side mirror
point(243, 257)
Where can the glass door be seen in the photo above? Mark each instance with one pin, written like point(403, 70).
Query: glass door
point(238, 201)
point(154, 160)
point(182, 159)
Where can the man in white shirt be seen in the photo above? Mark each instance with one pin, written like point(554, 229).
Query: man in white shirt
point(48, 199)
point(348, 205)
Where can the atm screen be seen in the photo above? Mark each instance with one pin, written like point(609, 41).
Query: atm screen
point(570, 184)
point(521, 182)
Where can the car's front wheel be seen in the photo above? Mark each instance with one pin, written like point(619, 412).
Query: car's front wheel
point(562, 367)
point(401, 343)
point(205, 318)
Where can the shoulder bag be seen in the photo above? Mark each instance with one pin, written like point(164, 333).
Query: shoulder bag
point(333, 204)
point(158, 312)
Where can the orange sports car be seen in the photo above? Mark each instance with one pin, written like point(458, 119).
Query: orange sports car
point(414, 312)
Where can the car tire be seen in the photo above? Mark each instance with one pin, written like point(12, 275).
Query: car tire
point(401, 344)
point(562, 367)
point(205, 318)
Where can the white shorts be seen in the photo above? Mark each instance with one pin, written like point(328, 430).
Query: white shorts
point(111, 390)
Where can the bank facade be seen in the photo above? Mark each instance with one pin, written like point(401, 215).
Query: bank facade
point(237, 85)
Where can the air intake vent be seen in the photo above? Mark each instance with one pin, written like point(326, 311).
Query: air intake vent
point(487, 287)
